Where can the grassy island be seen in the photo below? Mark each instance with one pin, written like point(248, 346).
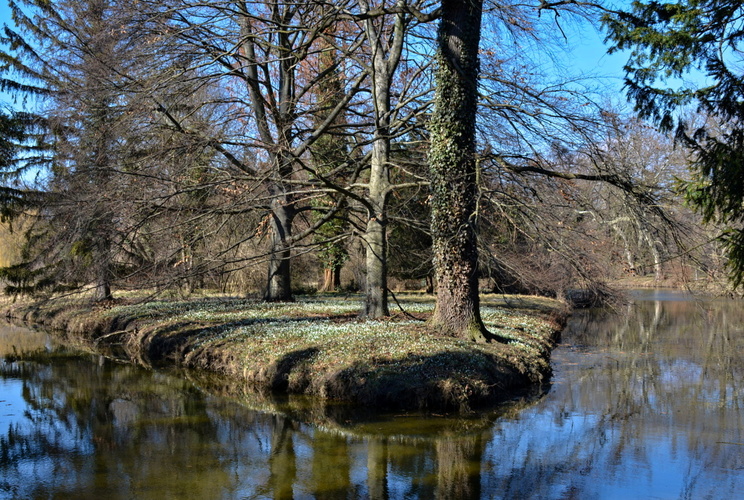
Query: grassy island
point(318, 346)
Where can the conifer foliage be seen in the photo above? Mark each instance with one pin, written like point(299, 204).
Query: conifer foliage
point(65, 60)
point(689, 53)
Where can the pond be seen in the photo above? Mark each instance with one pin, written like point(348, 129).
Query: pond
point(645, 402)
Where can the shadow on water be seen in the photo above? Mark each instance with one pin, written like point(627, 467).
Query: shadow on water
point(82, 426)
point(646, 402)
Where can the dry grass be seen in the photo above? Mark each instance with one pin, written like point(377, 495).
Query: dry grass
point(317, 345)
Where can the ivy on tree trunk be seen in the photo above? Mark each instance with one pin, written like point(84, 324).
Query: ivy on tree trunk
point(453, 172)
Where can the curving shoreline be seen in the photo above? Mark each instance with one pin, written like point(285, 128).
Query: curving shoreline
point(317, 346)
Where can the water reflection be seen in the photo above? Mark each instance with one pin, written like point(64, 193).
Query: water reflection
point(645, 403)
point(654, 392)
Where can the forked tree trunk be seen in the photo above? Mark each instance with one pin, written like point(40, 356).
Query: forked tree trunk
point(279, 283)
point(453, 173)
point(331, 280)
point(375, 237)
point(629, 259)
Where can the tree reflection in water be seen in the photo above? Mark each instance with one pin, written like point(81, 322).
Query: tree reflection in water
point(644, 403)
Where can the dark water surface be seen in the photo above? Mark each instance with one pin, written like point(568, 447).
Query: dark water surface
point(645, 403)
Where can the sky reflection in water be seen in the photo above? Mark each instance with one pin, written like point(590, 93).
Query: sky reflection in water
point(646, 403)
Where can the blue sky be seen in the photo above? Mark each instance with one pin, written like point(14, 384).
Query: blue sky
point(4, 12)
point(588, 55)
point(4, 19)
point(592, 59)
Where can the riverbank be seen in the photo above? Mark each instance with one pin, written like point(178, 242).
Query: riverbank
point(317, 346)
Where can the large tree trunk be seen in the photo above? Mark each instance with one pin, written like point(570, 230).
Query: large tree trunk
point(453, 173)
point(375, 238)
point(279, 283)
point(102, 224)
point(103, 269)
point(376, 296)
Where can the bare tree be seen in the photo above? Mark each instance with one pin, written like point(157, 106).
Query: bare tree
point(260, 55)
point(396, 105)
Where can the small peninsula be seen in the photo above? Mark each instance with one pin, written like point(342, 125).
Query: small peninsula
point(318, 346)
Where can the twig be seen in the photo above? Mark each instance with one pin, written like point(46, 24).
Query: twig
point(99, 339)
point(401, 307)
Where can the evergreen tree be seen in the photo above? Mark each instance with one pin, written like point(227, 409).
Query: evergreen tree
point(687, 53)
point(67, 58)
point(12, 196)
point(330, 153)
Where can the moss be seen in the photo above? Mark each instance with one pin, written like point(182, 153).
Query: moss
point(317, 347)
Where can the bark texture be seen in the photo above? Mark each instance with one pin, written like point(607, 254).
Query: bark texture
point(375, 238)
point(279, 283)
point(453, 172)
point(331, 280)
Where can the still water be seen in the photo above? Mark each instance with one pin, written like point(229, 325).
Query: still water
point(644, 403)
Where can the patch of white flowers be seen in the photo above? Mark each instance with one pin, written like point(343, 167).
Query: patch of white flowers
point(336, 341)
point(232, 310)
point(264, 332)
point(506, 321)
